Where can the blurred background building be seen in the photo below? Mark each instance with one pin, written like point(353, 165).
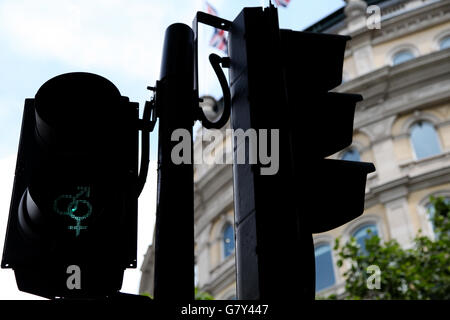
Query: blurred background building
point(402, 69)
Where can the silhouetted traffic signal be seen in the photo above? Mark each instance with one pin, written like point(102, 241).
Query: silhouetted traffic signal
point(73, 216)
point(313, 66)
point(280, 80)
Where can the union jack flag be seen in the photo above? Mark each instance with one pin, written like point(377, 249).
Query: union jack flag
point(210, 9)
point(218, 39)
point(282, 3)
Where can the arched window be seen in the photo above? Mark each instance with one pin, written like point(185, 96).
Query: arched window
point(424, 140)
point(431, 211)
point(351, 155)
point(444, 43)
point(324, 267)
point(363, 233)
point(402, 56)
point(228, 240)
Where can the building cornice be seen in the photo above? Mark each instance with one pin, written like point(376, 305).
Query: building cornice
point(222, 276)
point(400, 25)
point(218, 205)
point(406, 184)
point(212, 182)
point(335, 19)
point(391, 90)
point(412, 21)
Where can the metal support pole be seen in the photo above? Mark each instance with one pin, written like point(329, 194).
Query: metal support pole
point(174, 243)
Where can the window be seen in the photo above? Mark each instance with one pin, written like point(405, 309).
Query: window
point(424, 140)
point(402, 56)
point(324, 267)
point(345, 77)
point(351, 155)
point(363, 233)
point(431, 211)
point(228, 240)
point(444, 43)
point(196, 275)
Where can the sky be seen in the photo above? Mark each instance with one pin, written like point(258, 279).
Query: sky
point(120, 40)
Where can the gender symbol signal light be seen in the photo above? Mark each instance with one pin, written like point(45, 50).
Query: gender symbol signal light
point(73, 215)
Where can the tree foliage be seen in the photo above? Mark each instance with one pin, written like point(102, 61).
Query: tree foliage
point(201, 295)
point(420, 272)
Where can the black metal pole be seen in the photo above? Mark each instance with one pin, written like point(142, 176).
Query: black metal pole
point(174, 243)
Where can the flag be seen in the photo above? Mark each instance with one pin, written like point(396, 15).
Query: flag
point(282, 3)
point(210, 9)
point(218, 39)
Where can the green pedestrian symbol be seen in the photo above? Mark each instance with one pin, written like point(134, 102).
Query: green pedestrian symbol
point(74, 207)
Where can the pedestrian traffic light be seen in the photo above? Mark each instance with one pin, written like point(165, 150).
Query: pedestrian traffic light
point(279, 80)
point(342, 182)
point(73, 215)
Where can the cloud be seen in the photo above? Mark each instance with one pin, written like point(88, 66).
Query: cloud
point(146, 222)
point(8, 283)
point(121, 35)
point(10, 113)
point(7, 166)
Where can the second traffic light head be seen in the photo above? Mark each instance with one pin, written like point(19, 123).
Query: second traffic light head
point(74, 201)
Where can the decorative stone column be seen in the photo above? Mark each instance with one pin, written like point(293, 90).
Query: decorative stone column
point(355, 12)
point(398, 216)
point(387, 168)
point(356, 20)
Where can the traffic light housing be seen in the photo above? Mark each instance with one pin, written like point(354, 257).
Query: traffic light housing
point(321, 57)
point(279, 80)
point(72, 226)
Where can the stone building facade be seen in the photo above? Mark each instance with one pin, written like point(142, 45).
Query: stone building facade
point(402, 69)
